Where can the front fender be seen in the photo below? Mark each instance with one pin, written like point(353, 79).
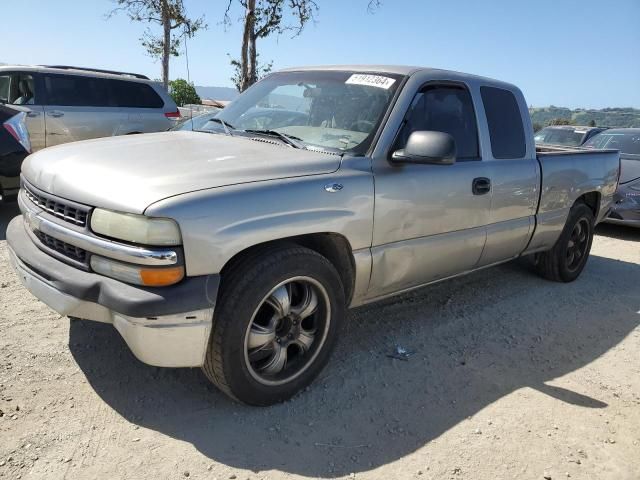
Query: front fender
point(218, 223)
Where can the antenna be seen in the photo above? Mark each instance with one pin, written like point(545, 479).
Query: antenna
point(186, 56)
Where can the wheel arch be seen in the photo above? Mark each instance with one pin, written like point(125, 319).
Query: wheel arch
point(591, 200)
point(333, 246)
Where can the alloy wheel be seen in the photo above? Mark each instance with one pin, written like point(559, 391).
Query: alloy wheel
point(287, 331)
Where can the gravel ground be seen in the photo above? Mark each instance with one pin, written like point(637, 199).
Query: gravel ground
point(512, 377)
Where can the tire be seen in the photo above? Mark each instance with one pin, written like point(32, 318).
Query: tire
point(254, 324)
point(568, 257)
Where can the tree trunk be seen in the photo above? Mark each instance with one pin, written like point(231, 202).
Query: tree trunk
point(252, 72)
point(248, 53)
point(166, 44)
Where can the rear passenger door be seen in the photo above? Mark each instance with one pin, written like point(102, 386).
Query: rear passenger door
point(23, 91)
point(429, 220)
point(514, 173)
point(79, 108)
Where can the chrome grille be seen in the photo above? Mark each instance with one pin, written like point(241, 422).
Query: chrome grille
point(70, 251)
point(55, 206)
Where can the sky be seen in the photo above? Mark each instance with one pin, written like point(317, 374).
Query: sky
point(572, 53)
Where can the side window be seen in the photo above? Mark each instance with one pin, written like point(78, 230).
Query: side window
point(17, 89)
point(134, 95)
point(76, 91)
point(505, 123)
point(5, 83)
point(447, 109)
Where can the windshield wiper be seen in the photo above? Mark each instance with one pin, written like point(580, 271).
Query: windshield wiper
point(290, 140)
point(227, 127)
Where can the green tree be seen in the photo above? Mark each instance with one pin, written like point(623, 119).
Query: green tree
point(262, 70)
point(592, 123)
point(561, 121)
point(171, 16)
point(183, 92)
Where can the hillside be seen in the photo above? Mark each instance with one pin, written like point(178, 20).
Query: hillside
point(607, 117)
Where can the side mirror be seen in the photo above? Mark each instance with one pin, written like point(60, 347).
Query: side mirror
point(436, 148)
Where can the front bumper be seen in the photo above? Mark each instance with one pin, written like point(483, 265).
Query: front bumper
point(163, 326)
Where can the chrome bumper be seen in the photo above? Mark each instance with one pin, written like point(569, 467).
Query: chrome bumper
point(35, 219)
point(177, 340)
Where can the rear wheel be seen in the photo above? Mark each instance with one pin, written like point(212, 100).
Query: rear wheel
point(277, 320)
point(568, 257)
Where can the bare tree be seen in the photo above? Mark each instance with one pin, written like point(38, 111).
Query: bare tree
point(262, 18)
point(170, 15)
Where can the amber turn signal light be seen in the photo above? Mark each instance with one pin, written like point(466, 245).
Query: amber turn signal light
point(161, 277)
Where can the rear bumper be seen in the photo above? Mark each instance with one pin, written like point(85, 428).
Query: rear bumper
point(167, 327)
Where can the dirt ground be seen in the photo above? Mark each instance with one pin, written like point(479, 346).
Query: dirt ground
point(513, 377)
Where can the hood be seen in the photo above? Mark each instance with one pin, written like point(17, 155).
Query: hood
point(629, 168)
point(129, 173)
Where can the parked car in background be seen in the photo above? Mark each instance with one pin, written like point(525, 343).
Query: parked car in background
point(626, 209)
point(382, 180)
point(565, 135)
point(14, 147)
point(197, 122)
point(65, 104)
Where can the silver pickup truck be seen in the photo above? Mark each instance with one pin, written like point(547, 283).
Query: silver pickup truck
point(238, 248)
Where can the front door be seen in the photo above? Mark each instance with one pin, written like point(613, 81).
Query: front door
point(429, 223)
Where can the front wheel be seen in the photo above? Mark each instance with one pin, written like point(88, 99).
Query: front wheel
point(568, 257)
point(277, 320)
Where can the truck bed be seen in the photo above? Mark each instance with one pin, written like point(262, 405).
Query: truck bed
point(568, 173)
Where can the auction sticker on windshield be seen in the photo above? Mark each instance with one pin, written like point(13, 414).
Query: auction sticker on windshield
point(371, 80)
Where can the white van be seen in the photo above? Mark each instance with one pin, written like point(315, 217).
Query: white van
point(65, 104)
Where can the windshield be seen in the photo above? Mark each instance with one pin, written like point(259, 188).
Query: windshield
point(335, 110)
point(197, 122)
point(628, 143)
point(560, 136)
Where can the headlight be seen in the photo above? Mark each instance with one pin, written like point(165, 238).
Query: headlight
point(135, 228)
point(137, 274)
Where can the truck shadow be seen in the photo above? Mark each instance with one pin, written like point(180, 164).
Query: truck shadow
point(7, 212)
point(476, 339)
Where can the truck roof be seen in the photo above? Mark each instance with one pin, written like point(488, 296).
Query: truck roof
point(399, 70)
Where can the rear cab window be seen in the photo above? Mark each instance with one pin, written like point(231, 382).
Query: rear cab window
point(86, 91)
point(504, 120)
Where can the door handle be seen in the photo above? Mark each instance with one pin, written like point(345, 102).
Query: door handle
point(33, 114)
point(481, 186)
point(55, 114)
